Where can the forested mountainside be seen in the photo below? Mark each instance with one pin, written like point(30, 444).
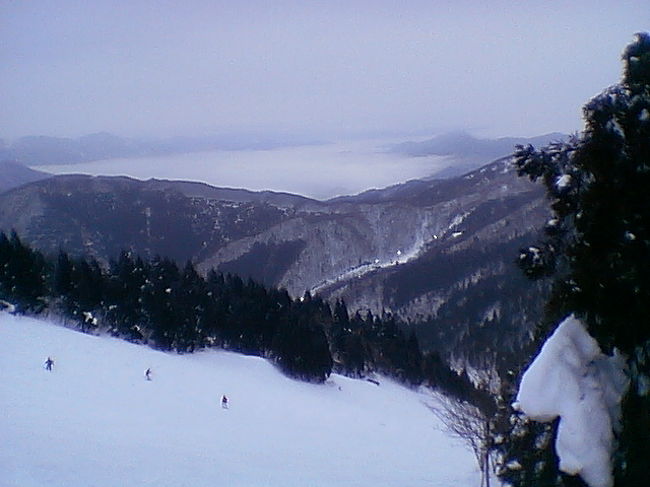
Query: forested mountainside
point(436, 251)
point(100, 216)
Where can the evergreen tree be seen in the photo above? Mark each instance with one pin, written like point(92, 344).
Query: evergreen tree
point(23, 274)
point(124, 297)
point(159, 300)
point(598, 241)
point(300, 346)
point(62, 283)
point(413, 360)
point(85, 296)
point(347, 342)
point(90, 284)
point(191, 301)
point(213, 315)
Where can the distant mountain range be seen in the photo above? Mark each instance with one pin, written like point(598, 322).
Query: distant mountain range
point(464, 151)
point(43, 150)
point(437, 252)
point(467, 152)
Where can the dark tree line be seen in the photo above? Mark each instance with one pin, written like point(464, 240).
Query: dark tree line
point(175, 308)
point(169, 307)
point(366, 343)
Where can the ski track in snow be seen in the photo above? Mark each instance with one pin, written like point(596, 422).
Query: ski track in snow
point(95, 421)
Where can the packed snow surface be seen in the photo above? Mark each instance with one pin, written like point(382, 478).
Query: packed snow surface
point(94, 420)
point(573, 379)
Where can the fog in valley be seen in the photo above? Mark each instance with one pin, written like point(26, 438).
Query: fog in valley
point(316, 171)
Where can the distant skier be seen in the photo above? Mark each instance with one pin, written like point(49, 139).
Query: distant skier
point(224, 402)
point(147, 374)
point(49, 363)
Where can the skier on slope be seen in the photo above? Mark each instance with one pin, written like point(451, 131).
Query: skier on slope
point(49, 363)
point(224, 402)
point(147, 374)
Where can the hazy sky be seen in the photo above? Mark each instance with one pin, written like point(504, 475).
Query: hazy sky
point(156, 67)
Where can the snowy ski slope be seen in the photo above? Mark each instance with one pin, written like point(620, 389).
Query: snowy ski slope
point(95, 421)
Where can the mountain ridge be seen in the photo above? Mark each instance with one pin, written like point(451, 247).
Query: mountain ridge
point(15, 174)
point(467, 152)
point(42, 150)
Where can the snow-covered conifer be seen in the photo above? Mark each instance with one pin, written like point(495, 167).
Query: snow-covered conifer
point(598, 245)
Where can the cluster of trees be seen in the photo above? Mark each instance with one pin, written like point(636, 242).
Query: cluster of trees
point(168, 307)
point(175, 308)
point(596, 250)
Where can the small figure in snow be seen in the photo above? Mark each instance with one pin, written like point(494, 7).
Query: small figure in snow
point(147, 374)
point(49, 363)
point(224, 402)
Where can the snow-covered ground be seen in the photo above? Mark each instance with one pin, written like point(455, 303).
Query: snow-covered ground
point(95, 421)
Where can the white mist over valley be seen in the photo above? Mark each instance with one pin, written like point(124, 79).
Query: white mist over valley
point(317, 171)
